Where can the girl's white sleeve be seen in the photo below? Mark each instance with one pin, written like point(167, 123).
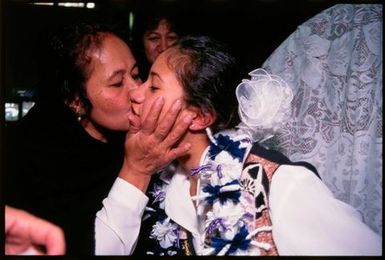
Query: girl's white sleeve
point(308, 220)
point(117, 224)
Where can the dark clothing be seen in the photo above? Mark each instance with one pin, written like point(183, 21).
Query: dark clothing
point(144, 66)
point(279, 158)
point(56, 170)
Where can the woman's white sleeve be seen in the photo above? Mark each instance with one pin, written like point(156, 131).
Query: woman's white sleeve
point(117, 224)
point(308, 220)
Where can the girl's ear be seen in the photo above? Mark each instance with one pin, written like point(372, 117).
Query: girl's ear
point(201, 119)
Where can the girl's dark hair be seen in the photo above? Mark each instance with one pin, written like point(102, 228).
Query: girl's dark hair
point(209, 75)
point(67, 63)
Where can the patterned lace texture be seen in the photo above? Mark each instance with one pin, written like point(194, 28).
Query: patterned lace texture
point(333, 61)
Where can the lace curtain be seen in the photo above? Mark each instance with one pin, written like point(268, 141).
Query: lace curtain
point(334, 63)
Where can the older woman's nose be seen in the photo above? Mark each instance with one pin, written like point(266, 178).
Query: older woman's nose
point(137, 94)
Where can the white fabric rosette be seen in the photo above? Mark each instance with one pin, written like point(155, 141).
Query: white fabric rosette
point(264, 104)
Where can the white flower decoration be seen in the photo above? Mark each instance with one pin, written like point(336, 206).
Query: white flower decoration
point(231, 169)
point(165, 233)
point(231, 215)
point(264, 102)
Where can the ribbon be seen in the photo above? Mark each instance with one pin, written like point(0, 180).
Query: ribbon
point(200, 168)
point(216, 193)
point(224, 143)
point(214, 224)
point(219, 171)
point(239, 241)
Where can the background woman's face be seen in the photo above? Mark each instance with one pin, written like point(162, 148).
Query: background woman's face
point(158, 40)
point(162, 81)
point(114, 73)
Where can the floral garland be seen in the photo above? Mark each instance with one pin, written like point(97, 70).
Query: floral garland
point(228, 217)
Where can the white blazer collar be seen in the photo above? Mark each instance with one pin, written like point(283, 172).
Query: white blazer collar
point(178, 204)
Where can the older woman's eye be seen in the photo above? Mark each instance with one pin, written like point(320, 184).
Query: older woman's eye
point(117, 84)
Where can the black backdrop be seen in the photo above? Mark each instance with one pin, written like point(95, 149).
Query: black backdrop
point(252, 28)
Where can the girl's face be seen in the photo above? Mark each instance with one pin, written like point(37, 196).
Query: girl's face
point(158, 40)
point(162, 81)
point(114, 74)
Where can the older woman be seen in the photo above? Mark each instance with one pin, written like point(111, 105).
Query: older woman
point(64, 155)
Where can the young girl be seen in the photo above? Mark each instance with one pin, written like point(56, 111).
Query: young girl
point(227, 195)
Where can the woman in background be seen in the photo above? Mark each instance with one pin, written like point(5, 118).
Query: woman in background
point(153, 33)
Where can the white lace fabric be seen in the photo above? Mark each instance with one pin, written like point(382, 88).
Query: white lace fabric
point(333, 62)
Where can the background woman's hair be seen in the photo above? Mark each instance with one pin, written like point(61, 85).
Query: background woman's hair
point(209, 75)
point(146, 21)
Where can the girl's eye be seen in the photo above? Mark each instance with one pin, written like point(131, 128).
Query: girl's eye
point(153, 89)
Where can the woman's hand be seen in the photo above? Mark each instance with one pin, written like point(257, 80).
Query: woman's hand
point(28, 234)
point(155, 144)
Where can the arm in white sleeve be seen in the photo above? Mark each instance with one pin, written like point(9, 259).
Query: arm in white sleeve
point(117, 224)
point(308, 220)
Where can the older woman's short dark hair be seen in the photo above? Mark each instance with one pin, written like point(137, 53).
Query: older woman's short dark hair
point(68, 62)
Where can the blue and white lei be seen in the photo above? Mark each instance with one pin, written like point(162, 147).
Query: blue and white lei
point(229, 223)
point(227, 218)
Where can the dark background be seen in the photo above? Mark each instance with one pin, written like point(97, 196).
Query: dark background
point(252, 28)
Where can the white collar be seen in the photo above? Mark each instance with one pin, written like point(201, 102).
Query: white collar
point(179, 206)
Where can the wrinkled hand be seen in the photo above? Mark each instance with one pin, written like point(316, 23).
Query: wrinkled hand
point(156, 144)
point(28, 234)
